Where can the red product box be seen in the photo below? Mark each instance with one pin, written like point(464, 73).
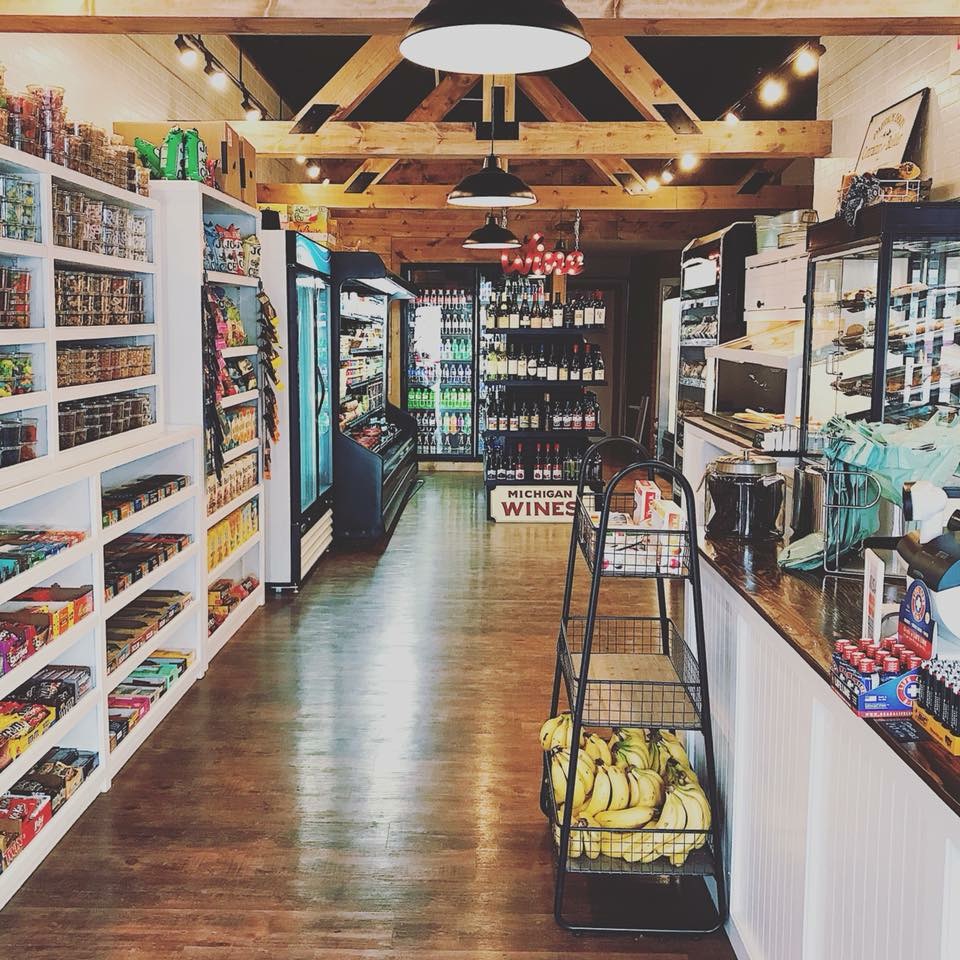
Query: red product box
point(24, 817)
point(129, 702)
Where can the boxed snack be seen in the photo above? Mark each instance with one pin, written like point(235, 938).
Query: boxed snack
point(62, 606)
point(86, 761)
point(645, 492)
point(158, 672)
point(15, 647)
point(150, 692)
point(188, 656)
point(58, 694)
point(53, 787)
point(171, 660)
point(20, 725)
point(78, 676)
point(141, 704)
point(119, 727)
point(24, 817)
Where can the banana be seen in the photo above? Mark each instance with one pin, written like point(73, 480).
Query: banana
point(590, 838)
point(626, 819)
point(547, 730)
point(596, 747)
point(559, 766)
point(695, 793)
point(633, 782)
point(632, 753)
point(651, 788)
point(698, 814)
point(648, 844)
point(676, 750)
point(575, 847)
point(602, 792)
point(619, 789)
point(562, 732)
point(586, 768)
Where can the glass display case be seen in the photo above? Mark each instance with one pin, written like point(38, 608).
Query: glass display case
point(883, 301)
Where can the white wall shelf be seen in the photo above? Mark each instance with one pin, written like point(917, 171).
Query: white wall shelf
point(99, 261)
point(247, 351)
point(237, 399)
point(105, 387)
point(238, 451)
point(235, 503)
point(214, 573)
point(49, 652)
point(231, 279)
point(140, 517)
point(24, 401)
point(106, 331)
point(125, 597)
point(9, 338)
point(245, 609)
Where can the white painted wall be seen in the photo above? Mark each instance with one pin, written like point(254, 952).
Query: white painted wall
point(859, 76)
point(118, 77)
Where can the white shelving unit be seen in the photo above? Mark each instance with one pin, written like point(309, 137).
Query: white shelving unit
point(42, 259)
point(71, 499)
point(185, 207)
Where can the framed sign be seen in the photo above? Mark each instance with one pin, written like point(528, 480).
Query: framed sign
point(533, 503)
point(889, 133)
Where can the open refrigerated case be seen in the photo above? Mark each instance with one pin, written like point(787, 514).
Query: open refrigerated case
point(883, 307)
point(375, 443)
point(439, 359)
point(300, 487)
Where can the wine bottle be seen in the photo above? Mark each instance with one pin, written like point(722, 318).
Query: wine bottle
point(552, 365)
point(590, 414)
point(538, 465)
point(578, 312)
point(514, 313)
point(536, 315)
point(590, 312)
point(575, 363)
point(525, 313)
point(524, 416)
point(542, 363)
point(519, 471)
point(556, 470)
point(598, 368)
point(586, 371)
point(600, 310)
point(556, 316)
point(577, 420)
point(514, 417)
point(563, 367)
point(492, 415)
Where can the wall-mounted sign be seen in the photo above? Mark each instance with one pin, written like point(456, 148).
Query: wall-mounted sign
point(533, 503)
point(888, 134)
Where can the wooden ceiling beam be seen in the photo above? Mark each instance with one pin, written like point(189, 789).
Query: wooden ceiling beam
point(752, 139)
point(361, 74)
point(636, 79)
point(434, 106)
point(550, 100)
point(420, 197)
point(600, 17)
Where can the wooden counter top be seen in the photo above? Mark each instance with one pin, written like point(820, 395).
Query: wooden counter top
point(810, 611)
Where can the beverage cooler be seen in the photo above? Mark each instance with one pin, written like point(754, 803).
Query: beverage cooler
point(439, 359)
point(375, 443)
point(296, 274)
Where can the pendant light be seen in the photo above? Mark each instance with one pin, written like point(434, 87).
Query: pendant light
point(491, 186)
point(491, 236)
point(495, 36)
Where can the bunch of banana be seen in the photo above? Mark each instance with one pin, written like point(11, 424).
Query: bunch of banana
point(611, 790)
point(646, 787)
point(631, 748)
point(585, 773)
point(558, 732)
point(597, 748)
point(698, 817)
point(582, 841)
point(679, 830)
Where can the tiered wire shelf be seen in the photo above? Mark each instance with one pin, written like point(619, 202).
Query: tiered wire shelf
point(626, 671)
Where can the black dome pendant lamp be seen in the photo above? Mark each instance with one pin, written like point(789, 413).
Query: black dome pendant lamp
point(495, 36)
point(491, 236)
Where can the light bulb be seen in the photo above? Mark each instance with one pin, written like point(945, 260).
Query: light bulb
point(301, 160)
point(689, 162)
point(250, 109)
point(772, 91)
point(313, 170)
point(652, 184)
point(216, 76)
point(326, 181)
point(189, 56)
point(805, 62)
point(666, 177)
point(731, 117)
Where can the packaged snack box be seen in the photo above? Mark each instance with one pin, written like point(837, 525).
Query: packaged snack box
point(24, 817)
point(645, 492)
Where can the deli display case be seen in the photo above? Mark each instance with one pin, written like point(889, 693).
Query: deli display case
point(883, 302)
point(375, 445)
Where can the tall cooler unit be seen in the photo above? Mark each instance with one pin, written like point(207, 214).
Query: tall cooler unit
point(296, 273)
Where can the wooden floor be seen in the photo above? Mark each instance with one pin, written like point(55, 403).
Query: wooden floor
point(355, 777)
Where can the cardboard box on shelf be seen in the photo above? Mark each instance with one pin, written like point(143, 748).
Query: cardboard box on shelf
point(237, 160)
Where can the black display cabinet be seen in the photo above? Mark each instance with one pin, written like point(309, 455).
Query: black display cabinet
point(375, 457)
point(882, 310)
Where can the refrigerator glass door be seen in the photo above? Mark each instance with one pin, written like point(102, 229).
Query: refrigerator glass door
point(323, 372)
point(308, 394)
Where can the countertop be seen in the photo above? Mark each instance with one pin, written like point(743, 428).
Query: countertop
point(811, 611)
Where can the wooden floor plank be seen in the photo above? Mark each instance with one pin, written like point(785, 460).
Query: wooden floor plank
point(356, 777)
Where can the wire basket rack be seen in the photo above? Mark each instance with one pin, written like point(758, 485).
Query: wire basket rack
point(642, 674)
point(847, 491)
point(646, 851)
point(629, 551)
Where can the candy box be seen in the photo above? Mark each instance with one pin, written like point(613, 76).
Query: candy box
point(189, 656)
point(14, 649)
point(119, 727)
point(164, 673)
point(128, 715)
point(86, 761)
point(79, 676)
point(43, 785)
point(58, 694)
point(219, 592)
point(11, 847)
point(172, 660)
point(24, 817)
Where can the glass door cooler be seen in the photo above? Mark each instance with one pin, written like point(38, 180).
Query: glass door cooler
point(439, 360)
point(296, 274)
point(375, 444)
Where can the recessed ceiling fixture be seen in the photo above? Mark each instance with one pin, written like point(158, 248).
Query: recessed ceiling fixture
point(491, 236)
point(496, 36)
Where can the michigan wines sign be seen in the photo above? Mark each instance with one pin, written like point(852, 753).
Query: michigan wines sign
point(549, 503)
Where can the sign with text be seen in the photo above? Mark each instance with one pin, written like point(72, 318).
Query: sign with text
point(533, 503)
point(888, 135)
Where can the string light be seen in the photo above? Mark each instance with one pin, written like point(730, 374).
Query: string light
point(807, 60)
point(189, 56)
point(666, 176)
point(652, 184)
point(772, 91)
point(313, 170)
point(301, 160)
point(731, 117)
point(689, 162)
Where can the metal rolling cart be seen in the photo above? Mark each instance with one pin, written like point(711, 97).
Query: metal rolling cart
point(620, 671)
